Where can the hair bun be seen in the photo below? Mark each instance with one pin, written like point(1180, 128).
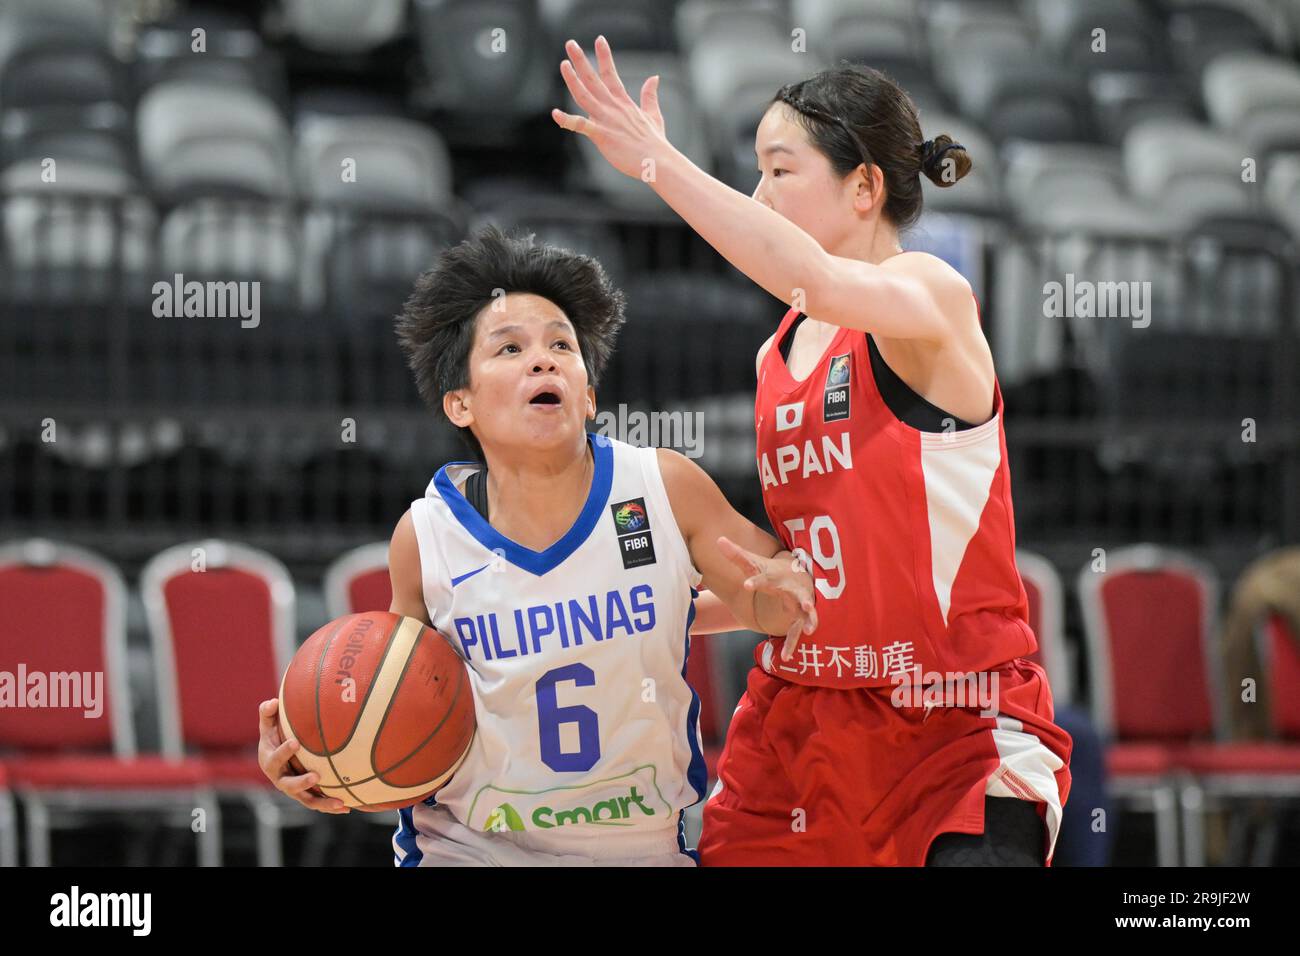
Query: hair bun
point(944, 161)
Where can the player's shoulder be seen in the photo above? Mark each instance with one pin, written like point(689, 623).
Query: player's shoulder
point(948, 288)
point(684, 481)
point(937, 274)
point(403, 544)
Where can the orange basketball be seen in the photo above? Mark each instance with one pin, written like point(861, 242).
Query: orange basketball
point(381, 707)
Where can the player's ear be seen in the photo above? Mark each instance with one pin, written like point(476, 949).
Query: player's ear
point(591, 403)
point(870, 187)
point(455, 405)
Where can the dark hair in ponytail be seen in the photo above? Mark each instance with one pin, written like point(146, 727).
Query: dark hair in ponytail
point(855, 114)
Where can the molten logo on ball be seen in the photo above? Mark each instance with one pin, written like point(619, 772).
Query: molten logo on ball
point(404, 731)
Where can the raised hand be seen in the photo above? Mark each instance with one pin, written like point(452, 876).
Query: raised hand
point(626, 134)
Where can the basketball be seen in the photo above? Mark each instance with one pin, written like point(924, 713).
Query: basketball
point(381, 707)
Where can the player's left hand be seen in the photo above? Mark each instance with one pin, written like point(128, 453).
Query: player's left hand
point(785, 578)
point(626, 134)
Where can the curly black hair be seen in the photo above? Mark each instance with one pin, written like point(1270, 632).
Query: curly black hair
point(436, 327)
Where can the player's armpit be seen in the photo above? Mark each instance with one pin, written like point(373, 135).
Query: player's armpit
point(404, 572)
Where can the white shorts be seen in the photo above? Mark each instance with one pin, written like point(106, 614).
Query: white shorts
point(442, 840)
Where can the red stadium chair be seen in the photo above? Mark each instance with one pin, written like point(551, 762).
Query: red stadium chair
point(1148, 620)
point(8, 823)
point(1250, 769)
point(65, 614)
point(1047, 619)
point(358, 581)
point(221, 619)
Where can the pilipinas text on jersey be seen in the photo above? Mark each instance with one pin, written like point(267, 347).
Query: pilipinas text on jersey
point(576, 654)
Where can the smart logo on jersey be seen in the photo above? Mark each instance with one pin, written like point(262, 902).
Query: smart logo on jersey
point(835, 403)
point(504, 817)
point(632, 528)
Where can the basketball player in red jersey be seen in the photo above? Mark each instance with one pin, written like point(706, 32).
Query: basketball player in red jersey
point(881, 454)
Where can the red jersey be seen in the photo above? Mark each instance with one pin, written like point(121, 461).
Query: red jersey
point(911, 533)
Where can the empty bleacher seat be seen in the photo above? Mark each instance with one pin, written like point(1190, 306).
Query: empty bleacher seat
point(735, 80)
point(1131, 39)
point(480, 52)
point(343, 26)
point(1257, 98)
point(198, 136)
point(232, 51)
point(1190, 170)
point(628, 25)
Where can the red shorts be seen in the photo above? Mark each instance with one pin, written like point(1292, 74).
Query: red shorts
point(814, 776)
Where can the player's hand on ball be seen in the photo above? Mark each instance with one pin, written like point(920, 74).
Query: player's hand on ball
point(273, 755)
point(785, 578)
point(627, 134)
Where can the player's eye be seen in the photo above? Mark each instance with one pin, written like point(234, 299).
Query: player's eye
point(508, 345)
point(564, 343)
point(776, 173)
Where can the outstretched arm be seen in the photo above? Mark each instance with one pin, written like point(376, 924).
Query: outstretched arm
point(910, 296)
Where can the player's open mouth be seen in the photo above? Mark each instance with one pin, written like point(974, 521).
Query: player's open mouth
point(545, 398)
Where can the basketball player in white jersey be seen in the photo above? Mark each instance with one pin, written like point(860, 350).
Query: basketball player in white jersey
point(564, 567)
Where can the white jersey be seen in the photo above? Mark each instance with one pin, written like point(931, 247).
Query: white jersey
point(576, 655)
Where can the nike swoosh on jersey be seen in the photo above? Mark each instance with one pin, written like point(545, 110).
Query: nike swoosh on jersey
point(468, 574)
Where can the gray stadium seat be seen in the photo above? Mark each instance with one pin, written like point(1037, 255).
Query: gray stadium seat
point(734, 82)
point(344, 26)
point(399, 163)
point(1134, 41)
point(208, 239)
point(885, 34)
point(760, 22)
point(28, 23)
point(684, 125)
point(1191, 171)
point(61, 238)
point(1039, 175)
point(1239, 84)
point(1021, 97)
point(467, 72)
point(1257, 98)
point(626, 24)
point(196, 135)
point(233, 53)
point(1200, 30)
point(1121, 99)
point(955, 30)
point(557, 220)
point(401, 167)
point(1282, 192)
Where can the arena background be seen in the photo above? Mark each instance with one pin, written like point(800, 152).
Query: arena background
point(1143, 155)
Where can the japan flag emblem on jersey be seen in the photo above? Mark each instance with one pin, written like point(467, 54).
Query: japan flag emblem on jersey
point(789, 416)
